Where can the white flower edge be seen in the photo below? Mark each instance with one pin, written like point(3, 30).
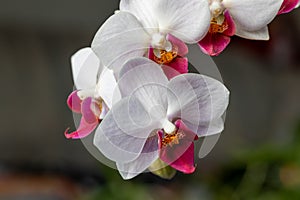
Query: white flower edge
point(92, 78)
point(251, 17)
point(187, 20)
point(85, 67)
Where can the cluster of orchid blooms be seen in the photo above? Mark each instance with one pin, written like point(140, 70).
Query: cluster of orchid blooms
point(133, 87)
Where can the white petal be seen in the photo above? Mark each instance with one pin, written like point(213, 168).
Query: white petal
point(85, 66)
point(145, 80)
point(199, 101)
point(132, 63)
point(187, 20)
point(78, 59)
point(124, 130)
point(147, 157)
point(207, 145)
point(107, 88)
point(120, 38)
point(252, 15)
point(262, 34)
point(143, 10)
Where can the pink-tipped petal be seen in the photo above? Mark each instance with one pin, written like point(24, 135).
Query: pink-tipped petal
point(176, 67)
point(228, 21)
point(88, 109)
point(179, 156)
point(180, 125)
point(74, 102)
point(182, 47)
point(169, 72)
point(185, 163)
point(180, 64)
point(83, 130)
point(214, 43)
point(287, 6)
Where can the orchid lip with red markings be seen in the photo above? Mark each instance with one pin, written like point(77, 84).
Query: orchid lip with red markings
point(175, 61)
point(177, 149)
point(90, 111)
point(218, 36)
point(83, 130)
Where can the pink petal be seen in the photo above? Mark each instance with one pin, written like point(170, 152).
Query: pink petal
point(88, 110)
point(179, 156)
point(74, 102)
point(178, 66)
point(169, 72)
point(230, 31)
point(287, 6)
point(185, 163)
point(214, 43)
point(151, 54)
point(83, 130)
point(182, 47)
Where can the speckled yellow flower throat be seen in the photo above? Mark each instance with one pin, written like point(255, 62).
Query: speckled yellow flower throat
point(165, 56)
point(172, 139)
point(215, 27)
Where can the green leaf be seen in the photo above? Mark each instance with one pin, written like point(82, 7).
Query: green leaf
point(162, 170)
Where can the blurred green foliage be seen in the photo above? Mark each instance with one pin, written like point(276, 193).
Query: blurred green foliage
point(120, 191)
point(268, 172)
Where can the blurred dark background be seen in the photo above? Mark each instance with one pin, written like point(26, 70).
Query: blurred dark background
point(257, 156)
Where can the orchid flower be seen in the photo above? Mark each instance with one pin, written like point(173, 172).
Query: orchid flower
point(93, 97)
point(143, 24)
point(159, 118)
point(288, 5)
point(244, 18)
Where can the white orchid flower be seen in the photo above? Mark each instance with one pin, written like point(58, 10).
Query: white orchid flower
point(159, 118)
point(141, 24)
point(94, 91)
point(251, 17)
point(245, 18)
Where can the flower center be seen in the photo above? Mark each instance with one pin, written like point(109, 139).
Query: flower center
point(173, 138)
point(216, 7)
point(97, 107)
point(218, 25)
point(164, 51)
point(163, 56)
point(100, 105)
point(159, 41)
point(169, 127)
